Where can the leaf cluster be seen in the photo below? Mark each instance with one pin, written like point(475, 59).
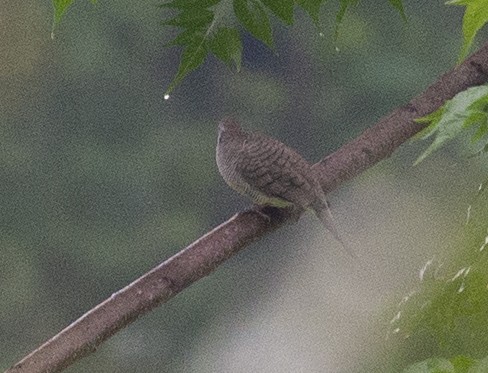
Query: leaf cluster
point(466, 110)
point(214, 26)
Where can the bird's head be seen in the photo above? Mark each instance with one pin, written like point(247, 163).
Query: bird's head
point(229, 125)
point(230, 132)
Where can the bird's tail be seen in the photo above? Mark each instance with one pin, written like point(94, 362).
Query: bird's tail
point(321, 209)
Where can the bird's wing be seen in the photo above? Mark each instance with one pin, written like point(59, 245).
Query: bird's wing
point(276, 171)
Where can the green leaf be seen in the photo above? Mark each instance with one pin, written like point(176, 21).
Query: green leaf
point(192, 57)
point(479, 119)
point(282, 9)
point(186, 37)
point(434, 365)
point(197, 22)
point(199, 37)
point(344, 5)
point(60, 7)
point(192, 19)
point(432, 119)
point(462, 111)
point(475, 17)
point(252, 15)
point(399, 6)
point(312, 7)
point(226, 44)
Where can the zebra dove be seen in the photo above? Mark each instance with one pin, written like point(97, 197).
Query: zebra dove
point(269, 172)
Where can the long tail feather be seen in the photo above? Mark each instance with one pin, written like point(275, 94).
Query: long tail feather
point(322, 211)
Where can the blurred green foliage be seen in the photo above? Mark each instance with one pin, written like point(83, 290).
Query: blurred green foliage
point(444, 314)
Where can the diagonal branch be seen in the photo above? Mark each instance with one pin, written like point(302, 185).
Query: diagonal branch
point(207, 253)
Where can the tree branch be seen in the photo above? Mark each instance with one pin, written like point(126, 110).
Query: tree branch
point(207, 253)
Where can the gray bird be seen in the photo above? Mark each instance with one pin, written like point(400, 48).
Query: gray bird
point(269, 172)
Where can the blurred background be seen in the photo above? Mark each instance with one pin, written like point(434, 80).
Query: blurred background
point(101, 179)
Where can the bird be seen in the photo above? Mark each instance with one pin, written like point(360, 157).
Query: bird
point(270, 173)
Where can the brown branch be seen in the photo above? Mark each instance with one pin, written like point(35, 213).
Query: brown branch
point(204, 255)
